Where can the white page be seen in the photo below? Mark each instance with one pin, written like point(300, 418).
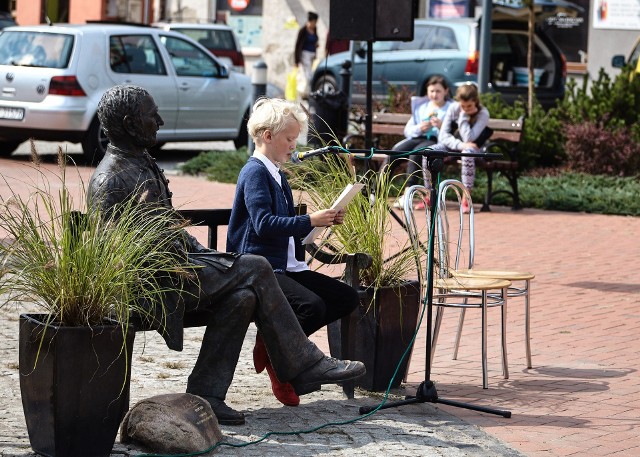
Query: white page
point(342, 201)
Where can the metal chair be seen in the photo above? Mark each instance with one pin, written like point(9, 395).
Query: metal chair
point(451, 291)
point(522, 278)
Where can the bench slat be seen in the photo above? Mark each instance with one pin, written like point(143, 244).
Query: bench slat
point(387, 129)
point(391, 118)
point(506, 137)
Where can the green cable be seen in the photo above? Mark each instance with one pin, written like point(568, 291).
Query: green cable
point(328, 424)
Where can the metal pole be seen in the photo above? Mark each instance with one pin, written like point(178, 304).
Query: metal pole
point(345, 86)
point(259, 82)
point(485, 47)
point(368, 126)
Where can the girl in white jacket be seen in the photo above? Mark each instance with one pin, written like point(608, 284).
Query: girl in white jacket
point(464, 128)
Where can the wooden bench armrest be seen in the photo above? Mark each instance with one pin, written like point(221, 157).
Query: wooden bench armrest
point(497, 147)
point(212, 218)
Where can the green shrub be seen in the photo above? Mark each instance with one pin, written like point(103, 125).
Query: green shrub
point(568, 191)
point(542, 143)
point(615, 103)
point(221, 166)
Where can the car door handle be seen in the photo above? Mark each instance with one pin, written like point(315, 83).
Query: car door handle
point(184, 86)
point(419, 59)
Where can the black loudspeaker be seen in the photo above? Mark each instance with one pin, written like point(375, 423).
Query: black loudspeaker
point(372, 20)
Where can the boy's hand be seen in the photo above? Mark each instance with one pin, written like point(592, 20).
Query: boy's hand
point(339, 219)
point(323, 218)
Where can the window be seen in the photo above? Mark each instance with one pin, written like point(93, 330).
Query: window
point(35, 49)
point(211, 39)
point(189, 60)
point(419, 34)
point(441, 38)
point(135, 54)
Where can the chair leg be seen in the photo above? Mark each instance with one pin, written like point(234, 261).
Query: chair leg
point(505, 362)
point(485, 376)
point(527, 323)
point(436, 330)
point(458, 334)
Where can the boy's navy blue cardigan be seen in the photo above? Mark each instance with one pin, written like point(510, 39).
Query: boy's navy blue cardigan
point(262, 219)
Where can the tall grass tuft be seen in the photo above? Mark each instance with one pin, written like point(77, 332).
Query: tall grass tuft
point(80, 266)
point(368, 225)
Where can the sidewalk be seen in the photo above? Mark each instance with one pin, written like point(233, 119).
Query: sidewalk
point(582, 396)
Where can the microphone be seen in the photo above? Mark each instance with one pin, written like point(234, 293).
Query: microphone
point(297, 156)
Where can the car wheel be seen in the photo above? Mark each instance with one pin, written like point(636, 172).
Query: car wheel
point(243, 135)
point(7, 147)
point(94, 143)
point(326, 84)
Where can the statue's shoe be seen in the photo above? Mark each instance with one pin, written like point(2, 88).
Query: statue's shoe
point(225, 414)
point(327, 371)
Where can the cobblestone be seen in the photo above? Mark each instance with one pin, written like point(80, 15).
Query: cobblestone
point(413, 430)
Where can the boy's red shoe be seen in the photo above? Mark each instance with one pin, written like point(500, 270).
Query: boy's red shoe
point(283, 391)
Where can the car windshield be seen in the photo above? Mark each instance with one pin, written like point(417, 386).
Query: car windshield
point(35, 49)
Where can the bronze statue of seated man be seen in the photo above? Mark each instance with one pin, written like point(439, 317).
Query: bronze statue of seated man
point(236, 288)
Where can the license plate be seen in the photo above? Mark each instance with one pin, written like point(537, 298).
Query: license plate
point(14, 114)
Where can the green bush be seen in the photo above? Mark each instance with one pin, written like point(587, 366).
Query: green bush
point(615, 103)
point(542, 142)
point(221, 166)
point(567, 191)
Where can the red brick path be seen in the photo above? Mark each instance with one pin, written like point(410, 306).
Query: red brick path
point(582, 396)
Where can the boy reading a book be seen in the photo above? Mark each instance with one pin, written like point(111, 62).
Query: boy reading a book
point(263, 222)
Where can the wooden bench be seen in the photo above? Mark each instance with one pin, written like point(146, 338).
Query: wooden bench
point(505, 140)
point(215, 218)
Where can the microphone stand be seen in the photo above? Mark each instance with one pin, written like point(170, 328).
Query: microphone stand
point(426, 391)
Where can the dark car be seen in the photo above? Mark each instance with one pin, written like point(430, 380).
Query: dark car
point(450, 48)
point(6, 20)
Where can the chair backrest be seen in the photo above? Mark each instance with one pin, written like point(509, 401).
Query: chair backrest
point(456, 248)
point(418, 233)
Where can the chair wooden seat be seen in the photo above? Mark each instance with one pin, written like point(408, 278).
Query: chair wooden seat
point(471, 283)
point(497, 274)
point(512, 291)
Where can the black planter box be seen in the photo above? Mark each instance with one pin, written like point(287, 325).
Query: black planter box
point(382, 332)
point(77, 391)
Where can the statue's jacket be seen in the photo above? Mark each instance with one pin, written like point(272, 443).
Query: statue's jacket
point(122, 175)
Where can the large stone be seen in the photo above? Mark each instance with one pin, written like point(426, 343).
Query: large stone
point(171, 424)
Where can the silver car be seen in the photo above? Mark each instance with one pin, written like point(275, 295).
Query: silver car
point(52, 78)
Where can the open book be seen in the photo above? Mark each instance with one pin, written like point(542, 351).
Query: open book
point(343, 200)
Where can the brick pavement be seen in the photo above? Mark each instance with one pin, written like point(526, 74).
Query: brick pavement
point(580, 398)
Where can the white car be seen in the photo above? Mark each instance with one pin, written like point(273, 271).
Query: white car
point(220, 39)
point(52, 78)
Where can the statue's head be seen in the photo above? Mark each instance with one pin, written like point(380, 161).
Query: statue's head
point(128, 114)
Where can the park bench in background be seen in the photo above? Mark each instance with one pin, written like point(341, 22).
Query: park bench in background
point(505, 140)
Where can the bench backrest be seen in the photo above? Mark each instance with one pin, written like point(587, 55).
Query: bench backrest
point(393, 124)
